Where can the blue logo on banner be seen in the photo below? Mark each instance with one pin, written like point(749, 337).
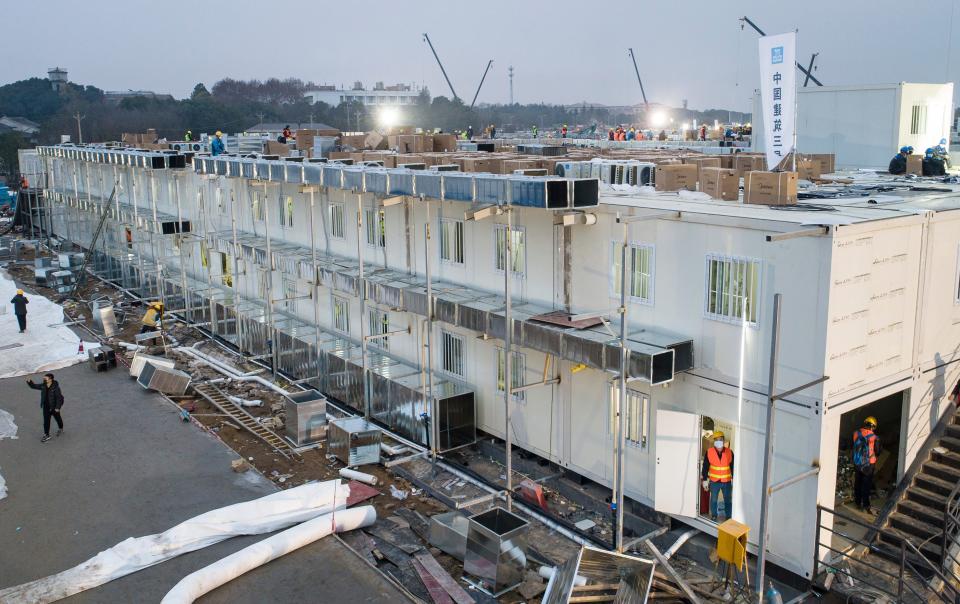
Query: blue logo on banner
point(776, 54)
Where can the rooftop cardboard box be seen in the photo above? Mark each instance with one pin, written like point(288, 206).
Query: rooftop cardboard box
point(444, 143)
point(509, 165)
point(676, 177)
point(355, 141)
point(375, 141)
point(808, 169)
point(702, 162)
point(305, 139)
point(749, 163)
point(826, 161)
point(915, 165)
point(720, 183)
point(770, 188)
point(275, 148)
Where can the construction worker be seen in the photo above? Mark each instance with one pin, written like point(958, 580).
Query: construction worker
point(20, 302)
point(286, 135)
point(940, 152)
point(24, 183)
point(898, 165)
point(933, 165)
point(716, 472)
point(866, 447)
point(703, 132)
point(153, 316)
point(470, 132)
point(493, 131)
point(536, 131)
point(188, 136)
point(217, 147)
point(563, 131)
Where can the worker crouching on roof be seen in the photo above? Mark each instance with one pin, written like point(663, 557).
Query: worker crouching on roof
point(866, 447)
point(898, 165)
point(152, 317)
point(932, 164)
point(717, 475)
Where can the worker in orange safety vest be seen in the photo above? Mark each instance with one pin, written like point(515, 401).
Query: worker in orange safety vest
point(717, 475)
point(866, 447)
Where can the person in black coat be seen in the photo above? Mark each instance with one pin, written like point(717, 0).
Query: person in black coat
point(51, 400)
point(898, 165)
point(20, 309)
point(933, 165)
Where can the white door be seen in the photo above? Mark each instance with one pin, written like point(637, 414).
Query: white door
point(677, 449)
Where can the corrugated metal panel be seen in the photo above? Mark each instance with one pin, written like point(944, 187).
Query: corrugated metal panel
point(428, 184)
point(401, 182)
point(458, 187)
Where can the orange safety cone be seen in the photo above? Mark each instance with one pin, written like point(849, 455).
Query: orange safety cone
point(80, 350)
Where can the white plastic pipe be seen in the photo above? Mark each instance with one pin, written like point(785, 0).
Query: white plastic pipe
point(679, 542)
point(358, 476)
point(393, 450)
point(229, 371)
point(245, 402)
point(264, 515)
point(130, 346)
point(225, 570)
point(547, 572)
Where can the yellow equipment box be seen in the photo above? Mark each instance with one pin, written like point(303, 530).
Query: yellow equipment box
point(732, 543)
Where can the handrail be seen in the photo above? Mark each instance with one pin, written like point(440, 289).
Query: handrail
point(951, 522)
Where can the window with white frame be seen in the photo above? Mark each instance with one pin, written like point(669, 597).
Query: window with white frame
point(451, 241)
point(640, 263)
point(379, 323)
point(259, 209)
point(732, 289)
point(285, 211)
point(516, 377)
point(340, 308)
point(636, 416)
point(376, 227)
point(518, 243)
point(451, 353)
point(336, 221)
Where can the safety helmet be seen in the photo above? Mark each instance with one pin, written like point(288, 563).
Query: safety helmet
point(219, 133)
point(904, 149)
point(20, 291)
point(910, 149)
point(929, 151)
point(718, 434)
point(943, 141)
point(870, 421)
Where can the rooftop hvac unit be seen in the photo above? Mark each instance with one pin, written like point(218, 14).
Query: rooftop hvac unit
point(261, 169)
point(220, 166)
point(496, 553)
point(277, 171)
point(158, 161)
point(372, 164)
point(585, 193)
point(428, 184)
point(413, 166)
point(353, 178)
point(297, 159)
point(376, 181)
point(104, 319)
point(354, 441)
point(492, 189)
point(140, 360)
point(531, 172)
point(446, 168)
point(164, 379)
point(486, 147)
point(293, 172)
point(464, 146)
point(343, 161)
point(401, 182)
point(248, 168)
point(306, 417)
point(646, 174)
point(317, 160)
point(458, 186)
point(333, 176)
point(537, 192)
point(313, 174)
point(191, 146)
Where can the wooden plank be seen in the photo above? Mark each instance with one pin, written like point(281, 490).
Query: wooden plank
point(437, 593)
point(459, 595)
point(604, 598)
point(672, 572)
point(597, 587)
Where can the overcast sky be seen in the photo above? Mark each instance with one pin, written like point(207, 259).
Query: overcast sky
point(563, 51)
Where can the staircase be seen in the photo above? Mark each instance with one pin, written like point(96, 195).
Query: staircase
point(919, 515)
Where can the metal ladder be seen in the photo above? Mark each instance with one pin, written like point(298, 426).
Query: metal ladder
point(219, 400)
point(93, 243)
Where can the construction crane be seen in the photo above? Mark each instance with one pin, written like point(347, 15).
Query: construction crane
point(804, 70)
point(426, 39)
point(489, 63)
point(646, 105)
point(810, 68)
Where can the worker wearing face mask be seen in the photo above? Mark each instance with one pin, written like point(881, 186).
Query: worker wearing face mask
point(717, 475)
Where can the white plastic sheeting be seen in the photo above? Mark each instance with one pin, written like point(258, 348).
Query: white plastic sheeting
point(264, 515)
point(41, 348)
point(227, 569)
point(8, 427)
point(3, 487)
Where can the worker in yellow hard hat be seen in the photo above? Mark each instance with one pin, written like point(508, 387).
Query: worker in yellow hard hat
point(866, 447)
point(716, 472)
point(216, 146)
point(152, 317)
point(20, 302)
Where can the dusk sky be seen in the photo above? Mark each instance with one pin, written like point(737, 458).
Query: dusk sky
point(562, 51)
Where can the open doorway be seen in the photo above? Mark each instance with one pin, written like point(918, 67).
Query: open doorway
point(888, 411)
point(709, 427)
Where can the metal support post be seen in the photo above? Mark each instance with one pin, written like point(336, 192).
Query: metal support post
point(363, 309)
point(508, 354)
point(270, 331)
point(619, 432)
point(768, 445)
point(316, 284)
point(430, 404)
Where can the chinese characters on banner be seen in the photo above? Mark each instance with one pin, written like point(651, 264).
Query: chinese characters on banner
point(778, 93)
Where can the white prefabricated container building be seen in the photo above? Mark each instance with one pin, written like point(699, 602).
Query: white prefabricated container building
point(866, 125)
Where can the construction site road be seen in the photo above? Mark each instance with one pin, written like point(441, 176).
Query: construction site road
point(127, 466)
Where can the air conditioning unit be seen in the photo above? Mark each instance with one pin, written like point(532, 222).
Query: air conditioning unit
point(163, 379)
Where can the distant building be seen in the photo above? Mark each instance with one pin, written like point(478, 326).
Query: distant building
point(27, 128)
point(57, 77)
point(115, 96)
point(379, 96)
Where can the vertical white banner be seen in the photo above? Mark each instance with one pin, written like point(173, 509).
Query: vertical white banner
point(778, 95)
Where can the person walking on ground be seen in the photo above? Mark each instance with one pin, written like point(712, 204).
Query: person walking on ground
point(866, 447)
point(716, 472)
point(20, 309)
point(51, 401)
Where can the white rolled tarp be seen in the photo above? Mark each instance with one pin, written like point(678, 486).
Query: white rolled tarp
point(264, 515)
point(227, 569)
